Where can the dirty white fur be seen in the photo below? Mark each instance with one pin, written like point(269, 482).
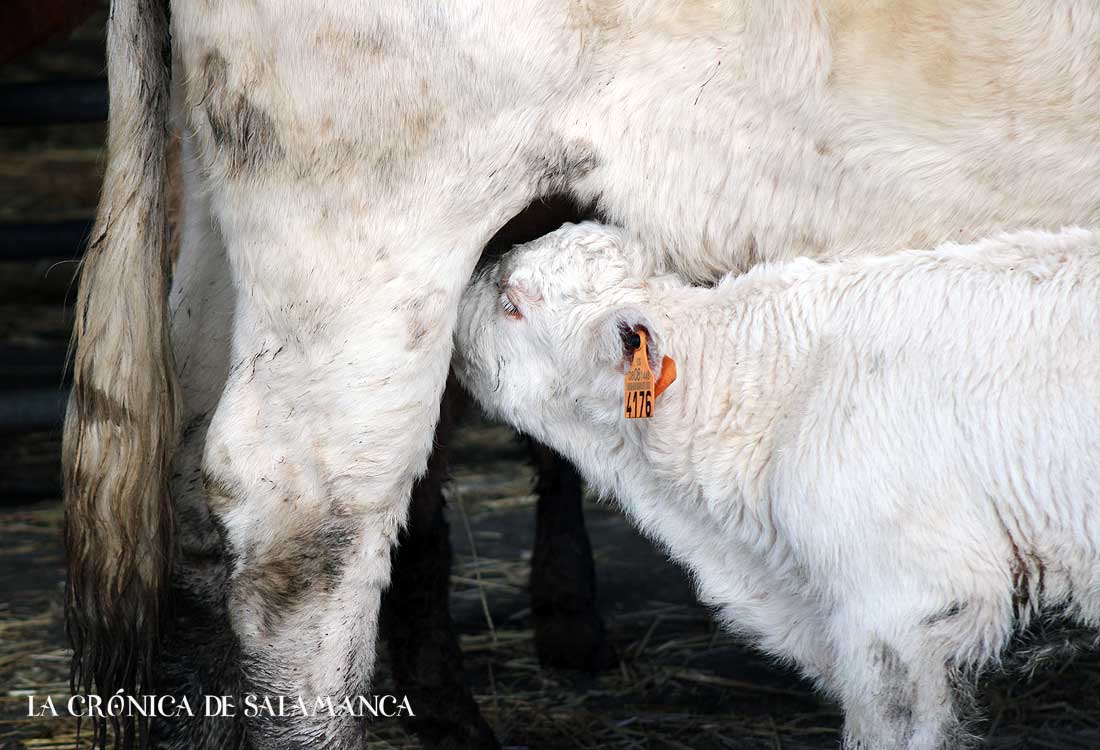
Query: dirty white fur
point(349, 160)
point(878, 468)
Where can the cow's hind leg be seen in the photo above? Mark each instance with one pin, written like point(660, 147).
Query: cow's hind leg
point(569, 633)
point(341, 348)
point(352, 221)
point(309, 463)
point(416, 619)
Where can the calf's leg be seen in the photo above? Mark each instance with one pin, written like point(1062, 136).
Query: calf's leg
point(898, 694)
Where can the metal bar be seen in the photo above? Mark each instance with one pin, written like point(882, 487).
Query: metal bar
point(23, 368)
point(57, 239)
point(53, 102)
point(38, 356)
point(30, 410)
point(15, 489)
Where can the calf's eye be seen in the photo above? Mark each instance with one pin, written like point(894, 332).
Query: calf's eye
point(506, 301)
point(509, 307)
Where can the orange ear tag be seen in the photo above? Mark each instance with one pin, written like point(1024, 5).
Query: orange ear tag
point(668, 376)
point(639, 390)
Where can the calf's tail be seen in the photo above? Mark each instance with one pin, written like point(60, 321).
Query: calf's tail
point(121, 423)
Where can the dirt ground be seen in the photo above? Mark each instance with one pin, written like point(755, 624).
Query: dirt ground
point(680, 683)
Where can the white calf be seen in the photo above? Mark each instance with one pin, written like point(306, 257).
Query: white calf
point(880, 469)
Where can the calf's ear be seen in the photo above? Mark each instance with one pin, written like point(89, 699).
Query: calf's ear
point(624, 333)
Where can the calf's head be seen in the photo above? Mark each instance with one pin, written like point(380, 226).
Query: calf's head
point(546, 334)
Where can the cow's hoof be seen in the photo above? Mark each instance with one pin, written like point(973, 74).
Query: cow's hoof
point(573, 642)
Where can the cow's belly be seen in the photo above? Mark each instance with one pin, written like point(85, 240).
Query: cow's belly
point(850, 129)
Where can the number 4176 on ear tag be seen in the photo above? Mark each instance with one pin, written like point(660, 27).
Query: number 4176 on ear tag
point(638, 384)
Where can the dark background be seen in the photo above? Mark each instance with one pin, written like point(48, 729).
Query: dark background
point(680, 682)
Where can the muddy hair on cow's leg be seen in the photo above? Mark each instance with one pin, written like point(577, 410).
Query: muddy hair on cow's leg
point(201, 659)
point(416, 618)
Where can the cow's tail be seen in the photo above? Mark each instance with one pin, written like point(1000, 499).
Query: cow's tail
point(122, 417)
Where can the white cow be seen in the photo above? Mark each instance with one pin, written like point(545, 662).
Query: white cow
point(881, 469)
point(345, 164)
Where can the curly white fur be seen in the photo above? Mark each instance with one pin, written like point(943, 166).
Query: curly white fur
point(879, 468)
